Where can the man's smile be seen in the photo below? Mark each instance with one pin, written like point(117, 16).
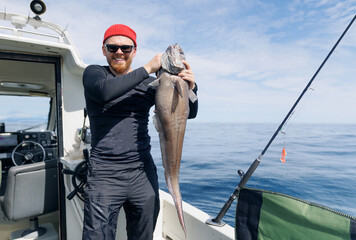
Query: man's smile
point(120, 60)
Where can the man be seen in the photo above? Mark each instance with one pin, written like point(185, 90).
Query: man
point(121, 171)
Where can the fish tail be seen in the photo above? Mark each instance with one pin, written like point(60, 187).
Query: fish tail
point(180, 216)
point(177, 199)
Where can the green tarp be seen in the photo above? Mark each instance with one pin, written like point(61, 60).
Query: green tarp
point(265, 215)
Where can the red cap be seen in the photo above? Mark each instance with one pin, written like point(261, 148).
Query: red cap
point(120, 29)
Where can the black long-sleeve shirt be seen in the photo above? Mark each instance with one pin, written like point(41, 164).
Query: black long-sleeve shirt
point(118, 109)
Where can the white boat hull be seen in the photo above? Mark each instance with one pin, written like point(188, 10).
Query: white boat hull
point(167, 227)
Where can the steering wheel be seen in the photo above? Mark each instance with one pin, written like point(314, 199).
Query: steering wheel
point(79, 179)
point(28, 152)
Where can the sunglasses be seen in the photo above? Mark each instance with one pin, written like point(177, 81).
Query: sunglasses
point(124, 48)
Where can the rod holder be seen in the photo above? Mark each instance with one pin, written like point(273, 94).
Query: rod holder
point(211, 221)
point(244, 178)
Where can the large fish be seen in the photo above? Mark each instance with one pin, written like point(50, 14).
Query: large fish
point(172, 110)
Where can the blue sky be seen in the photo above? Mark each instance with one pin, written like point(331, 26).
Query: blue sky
point(251, 58)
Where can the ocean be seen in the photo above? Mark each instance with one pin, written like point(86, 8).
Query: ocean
point(320, 163)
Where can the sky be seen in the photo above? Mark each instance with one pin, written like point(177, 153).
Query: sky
point(251, 59)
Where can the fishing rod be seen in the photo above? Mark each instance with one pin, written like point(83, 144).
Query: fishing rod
point(245, 177)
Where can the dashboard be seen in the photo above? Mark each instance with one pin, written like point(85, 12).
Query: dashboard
point(23, 147)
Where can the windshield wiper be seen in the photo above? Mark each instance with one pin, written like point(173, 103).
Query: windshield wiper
point(32, 127)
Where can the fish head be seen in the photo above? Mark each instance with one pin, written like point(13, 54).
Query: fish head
point(172, 59)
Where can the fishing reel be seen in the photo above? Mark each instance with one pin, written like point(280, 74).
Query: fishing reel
point(240, 173)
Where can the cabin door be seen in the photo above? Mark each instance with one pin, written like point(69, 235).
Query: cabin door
point(30, 146)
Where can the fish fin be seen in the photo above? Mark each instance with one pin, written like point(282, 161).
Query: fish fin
point(154, 83)
point(175, 100)
point(178, 88)
point(192, 96)
point(156, 122)
point(175, 97)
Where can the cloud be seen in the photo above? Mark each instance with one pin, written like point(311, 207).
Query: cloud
point(250, 58)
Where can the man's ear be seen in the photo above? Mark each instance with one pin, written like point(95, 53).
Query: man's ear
point(134, 53)
point(103, 48)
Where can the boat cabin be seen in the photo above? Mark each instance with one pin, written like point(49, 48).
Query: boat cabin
point(41, 110)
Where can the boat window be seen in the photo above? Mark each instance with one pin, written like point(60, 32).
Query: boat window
point(24, 113)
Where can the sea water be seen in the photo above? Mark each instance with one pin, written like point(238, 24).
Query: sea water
point(320, 163)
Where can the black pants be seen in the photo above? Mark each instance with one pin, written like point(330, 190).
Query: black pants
point(109, 187)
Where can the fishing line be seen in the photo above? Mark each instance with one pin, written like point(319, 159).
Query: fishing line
point(306, 99)
point(245, 177)
point(311, 91)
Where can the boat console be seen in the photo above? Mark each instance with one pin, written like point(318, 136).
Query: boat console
point(22, 147)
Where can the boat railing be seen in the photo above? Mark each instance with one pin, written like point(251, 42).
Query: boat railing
point(18, 32)
point(44, 34)
point(18, 22)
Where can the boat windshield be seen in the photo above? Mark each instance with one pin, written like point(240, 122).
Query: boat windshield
point(28, 113)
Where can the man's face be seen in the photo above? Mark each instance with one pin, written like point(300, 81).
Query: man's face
point(119, 61)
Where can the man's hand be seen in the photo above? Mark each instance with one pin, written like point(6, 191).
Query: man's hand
point(188, 75)
point(154, 65)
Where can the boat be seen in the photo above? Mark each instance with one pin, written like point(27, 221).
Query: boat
point(43, 166)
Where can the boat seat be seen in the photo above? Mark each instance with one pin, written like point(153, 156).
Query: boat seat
point(31, 191)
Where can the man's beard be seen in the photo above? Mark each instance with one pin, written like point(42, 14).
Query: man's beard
point(121, 68)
